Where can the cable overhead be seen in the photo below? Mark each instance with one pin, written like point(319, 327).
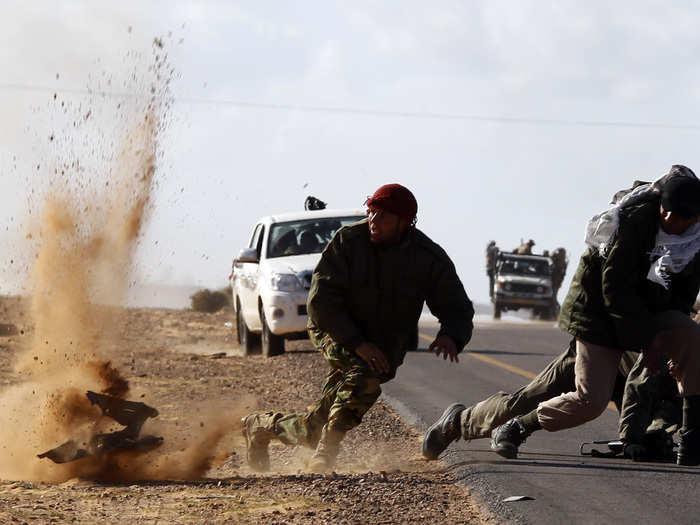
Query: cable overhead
point(372, 112)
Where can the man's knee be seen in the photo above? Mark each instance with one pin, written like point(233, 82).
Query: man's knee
point(354, 399)
point(591, 406)
point(360, 391)
point(683, 327)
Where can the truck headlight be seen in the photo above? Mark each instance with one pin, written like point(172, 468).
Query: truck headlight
point(284, 282)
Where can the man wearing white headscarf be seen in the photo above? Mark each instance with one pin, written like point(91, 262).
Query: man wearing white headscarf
point(633, 290)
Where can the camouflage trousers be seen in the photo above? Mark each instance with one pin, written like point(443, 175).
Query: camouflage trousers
point(479, 420)
point(349, 391)
point(650, 404)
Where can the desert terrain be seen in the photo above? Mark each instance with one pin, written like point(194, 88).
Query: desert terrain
point(184, 363)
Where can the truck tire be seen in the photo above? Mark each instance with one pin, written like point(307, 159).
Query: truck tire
point(250, 342)
point(272, 344)
point(237, 326)
point(496, 311)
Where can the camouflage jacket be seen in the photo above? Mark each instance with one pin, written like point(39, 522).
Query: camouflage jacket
point(611, 302)
point(361, 292)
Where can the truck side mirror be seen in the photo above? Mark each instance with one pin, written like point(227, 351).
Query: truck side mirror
point(248, 255)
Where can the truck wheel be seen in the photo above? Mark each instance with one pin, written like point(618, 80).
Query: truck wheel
point(496, 311)
point(238, 322)
point(250, 342)
point(272, 344)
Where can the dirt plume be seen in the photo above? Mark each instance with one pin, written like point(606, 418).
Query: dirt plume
point(86, 239)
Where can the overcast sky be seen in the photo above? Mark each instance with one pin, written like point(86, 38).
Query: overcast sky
point(507, 119)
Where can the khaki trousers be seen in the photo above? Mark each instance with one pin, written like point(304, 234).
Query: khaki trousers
point(558, 377)
point(596, 368)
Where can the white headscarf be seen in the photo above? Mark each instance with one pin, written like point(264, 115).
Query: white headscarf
point(671, 253)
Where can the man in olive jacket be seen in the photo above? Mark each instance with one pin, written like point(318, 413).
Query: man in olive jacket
point(366, 297)
point(633, 290)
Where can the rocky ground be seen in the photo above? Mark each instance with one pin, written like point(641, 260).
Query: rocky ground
point(174, 360)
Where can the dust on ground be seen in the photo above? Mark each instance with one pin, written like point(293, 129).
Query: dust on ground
point(384, 479)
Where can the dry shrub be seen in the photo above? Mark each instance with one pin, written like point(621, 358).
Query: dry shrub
point(210, 302)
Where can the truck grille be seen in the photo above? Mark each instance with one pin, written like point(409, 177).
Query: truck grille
point(523, 288)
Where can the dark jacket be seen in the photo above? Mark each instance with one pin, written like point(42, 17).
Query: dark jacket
point(611, 302)
point(361, 292)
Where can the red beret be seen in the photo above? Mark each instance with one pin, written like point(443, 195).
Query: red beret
point(395, 199)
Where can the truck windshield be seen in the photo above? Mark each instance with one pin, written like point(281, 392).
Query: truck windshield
point(304, 236)
point(524, 267)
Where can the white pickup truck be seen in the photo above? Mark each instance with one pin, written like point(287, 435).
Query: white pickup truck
point(271, 277)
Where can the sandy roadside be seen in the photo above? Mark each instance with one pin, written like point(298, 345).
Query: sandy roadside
point(380, 478)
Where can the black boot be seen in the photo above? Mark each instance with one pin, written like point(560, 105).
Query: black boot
point(689, 446)
point(443, 432)
point(506, 438)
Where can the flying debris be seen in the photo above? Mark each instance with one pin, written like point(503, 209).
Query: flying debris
point(131, 414)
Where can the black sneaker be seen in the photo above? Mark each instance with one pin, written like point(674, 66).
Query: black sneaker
point(443, 432)
point(506, 438)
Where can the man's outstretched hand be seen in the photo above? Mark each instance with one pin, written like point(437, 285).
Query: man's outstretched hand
point(374, 357)
point(445, 345)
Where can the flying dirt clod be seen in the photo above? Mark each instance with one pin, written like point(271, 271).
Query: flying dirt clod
point(131, 414)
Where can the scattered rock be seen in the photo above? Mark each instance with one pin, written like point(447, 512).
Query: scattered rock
point(517, 498)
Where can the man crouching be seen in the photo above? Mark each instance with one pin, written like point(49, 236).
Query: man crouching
point(367, 294)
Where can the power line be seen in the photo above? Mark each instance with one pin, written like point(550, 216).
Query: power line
point(373, 112)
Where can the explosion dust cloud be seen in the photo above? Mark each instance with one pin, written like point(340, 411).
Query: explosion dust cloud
point(95, 207)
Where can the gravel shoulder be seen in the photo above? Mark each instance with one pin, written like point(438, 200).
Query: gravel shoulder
point(381, 477)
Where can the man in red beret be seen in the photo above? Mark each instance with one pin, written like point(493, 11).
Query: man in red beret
point(367, 294)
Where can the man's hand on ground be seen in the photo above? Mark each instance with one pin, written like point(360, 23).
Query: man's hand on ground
point(374, 357)
point(444, 344)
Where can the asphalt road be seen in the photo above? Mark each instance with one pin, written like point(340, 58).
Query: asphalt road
point(566, 487)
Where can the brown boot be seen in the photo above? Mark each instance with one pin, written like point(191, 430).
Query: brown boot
point(327, 449)
point(257, 436)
